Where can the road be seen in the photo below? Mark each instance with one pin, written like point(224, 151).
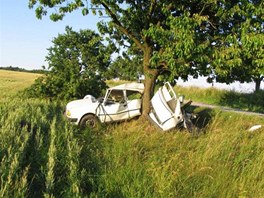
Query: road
point(227, 109)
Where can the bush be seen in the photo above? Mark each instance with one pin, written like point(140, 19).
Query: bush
point(77, 62)
point(48, 87)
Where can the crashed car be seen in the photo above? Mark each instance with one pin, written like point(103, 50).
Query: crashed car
point(123, 102)
point(168, 110)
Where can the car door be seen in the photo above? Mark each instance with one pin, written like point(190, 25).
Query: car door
point(134, 103)
point(114, 107)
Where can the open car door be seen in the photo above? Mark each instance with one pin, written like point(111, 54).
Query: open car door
point(167, 110)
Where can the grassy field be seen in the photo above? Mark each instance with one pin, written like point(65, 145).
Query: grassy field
point(42, 155)
point(244, 101)
point(11, 82)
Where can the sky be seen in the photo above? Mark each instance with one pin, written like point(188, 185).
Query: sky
point(24, 39)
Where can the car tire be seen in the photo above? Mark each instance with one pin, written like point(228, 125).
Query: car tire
point(89, 121)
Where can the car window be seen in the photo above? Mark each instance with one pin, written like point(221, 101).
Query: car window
point(131, 95)
point(117, 96)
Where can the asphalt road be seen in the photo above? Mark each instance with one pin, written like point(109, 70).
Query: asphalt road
point(227, 109)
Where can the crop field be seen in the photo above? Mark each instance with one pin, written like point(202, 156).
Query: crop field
point(11, 82)
point(42, 155)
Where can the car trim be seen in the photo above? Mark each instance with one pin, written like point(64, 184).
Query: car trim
point(107, 114)
point(72, 119)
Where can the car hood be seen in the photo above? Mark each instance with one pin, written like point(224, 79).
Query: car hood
point(81, 104)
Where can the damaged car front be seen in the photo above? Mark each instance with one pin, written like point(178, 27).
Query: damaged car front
point(121, 102)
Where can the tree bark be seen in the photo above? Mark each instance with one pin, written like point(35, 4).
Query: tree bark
point(150, 79)
point(257, 83)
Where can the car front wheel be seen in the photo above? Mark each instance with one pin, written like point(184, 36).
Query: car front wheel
point(89, 121)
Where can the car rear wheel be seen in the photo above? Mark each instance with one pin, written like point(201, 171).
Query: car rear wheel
point(89, 121)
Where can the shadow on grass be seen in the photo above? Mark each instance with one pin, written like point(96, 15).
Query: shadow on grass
point(244, 101)
point(203, 116)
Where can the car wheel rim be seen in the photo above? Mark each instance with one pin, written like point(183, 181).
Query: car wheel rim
point(90, 123)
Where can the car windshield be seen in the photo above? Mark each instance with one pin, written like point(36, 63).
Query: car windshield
point(116, 96)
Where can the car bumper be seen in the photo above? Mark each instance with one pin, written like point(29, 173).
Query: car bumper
point(74, 120)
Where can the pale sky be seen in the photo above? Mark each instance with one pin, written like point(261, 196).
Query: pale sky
point(24, 39)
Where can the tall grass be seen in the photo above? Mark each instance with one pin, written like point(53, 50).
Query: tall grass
point(73, 177)
point(224, 162)
point(42, 155)
point(52, 152)
point(13, 179)
point(25, 133)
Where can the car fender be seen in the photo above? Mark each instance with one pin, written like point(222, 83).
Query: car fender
point(79, 108)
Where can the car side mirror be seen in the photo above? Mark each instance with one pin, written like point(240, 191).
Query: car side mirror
point(100, 99)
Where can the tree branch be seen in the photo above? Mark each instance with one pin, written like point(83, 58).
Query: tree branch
point(121, 27)
point(152, 7)
point(211, 24)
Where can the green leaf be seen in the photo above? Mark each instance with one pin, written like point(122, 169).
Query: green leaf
point(85, 11)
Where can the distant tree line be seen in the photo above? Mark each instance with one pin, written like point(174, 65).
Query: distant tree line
point(11, 68)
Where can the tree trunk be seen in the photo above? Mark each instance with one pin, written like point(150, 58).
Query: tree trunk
point(148, 93)
point(150, 79)
point(257, 83)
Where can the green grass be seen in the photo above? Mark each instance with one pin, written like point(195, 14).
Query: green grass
point(42, 155)
point(245, 101)
point(224, 162)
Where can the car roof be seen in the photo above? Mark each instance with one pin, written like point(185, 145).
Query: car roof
point(139, 87)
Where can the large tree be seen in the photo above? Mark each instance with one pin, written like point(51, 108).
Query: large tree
point(167, 32)
point(77, 61)
point(238, 53)
point(125, 68)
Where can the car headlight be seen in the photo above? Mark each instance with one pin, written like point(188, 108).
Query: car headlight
point(68, 113)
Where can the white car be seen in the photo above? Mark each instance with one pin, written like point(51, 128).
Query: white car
point(168, 111)
point(123, 102)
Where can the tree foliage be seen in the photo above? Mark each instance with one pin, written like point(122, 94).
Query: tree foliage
point(164, 31)
point(76, 61)
point(239, 43)
point(175, 38)
point(125, 68)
